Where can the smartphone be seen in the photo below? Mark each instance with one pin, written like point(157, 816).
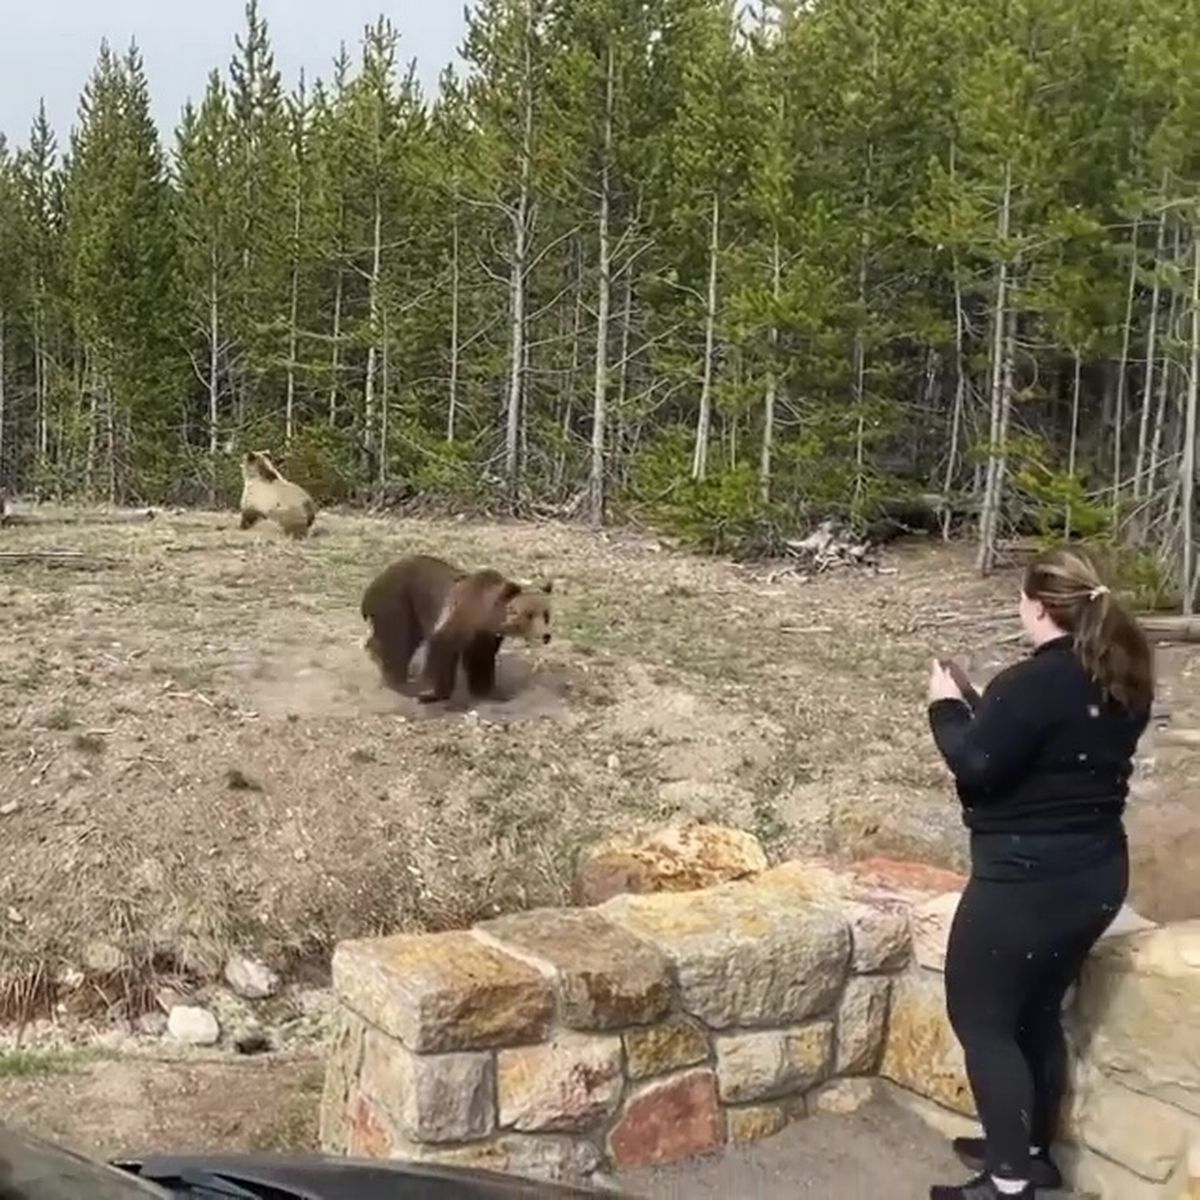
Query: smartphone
point(969, 694)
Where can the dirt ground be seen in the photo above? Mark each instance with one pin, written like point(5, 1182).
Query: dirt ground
point(196, 753)
point(130, 1106)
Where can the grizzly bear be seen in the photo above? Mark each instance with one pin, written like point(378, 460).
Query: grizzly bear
point(266, 493)
point(459, 615)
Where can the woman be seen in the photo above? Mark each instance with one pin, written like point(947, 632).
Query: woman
point(1042, 764)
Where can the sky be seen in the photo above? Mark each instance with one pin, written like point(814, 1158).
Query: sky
point(48, 47)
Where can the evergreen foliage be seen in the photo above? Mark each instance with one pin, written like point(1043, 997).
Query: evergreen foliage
point(715, 266)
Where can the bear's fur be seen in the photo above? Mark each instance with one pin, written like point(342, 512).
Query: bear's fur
point(266, 494)
point(459, 615)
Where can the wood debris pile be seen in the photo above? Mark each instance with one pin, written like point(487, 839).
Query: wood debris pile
point(832, 544)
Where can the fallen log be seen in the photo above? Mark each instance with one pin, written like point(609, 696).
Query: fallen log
point(1167, 628)
point(112, 518)
point(1178, 737)
point(55, 558)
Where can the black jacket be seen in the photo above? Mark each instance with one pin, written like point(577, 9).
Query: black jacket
point(1042, 752)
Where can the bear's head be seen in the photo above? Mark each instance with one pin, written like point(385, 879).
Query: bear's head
point(527, 614)
point(258, 465)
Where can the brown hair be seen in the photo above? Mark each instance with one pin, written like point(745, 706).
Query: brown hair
point(1109, 641)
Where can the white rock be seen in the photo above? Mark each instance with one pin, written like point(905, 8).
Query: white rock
point(250, 978)
point(193, 1026)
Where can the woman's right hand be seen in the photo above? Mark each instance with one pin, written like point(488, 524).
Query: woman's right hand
point(942, 685)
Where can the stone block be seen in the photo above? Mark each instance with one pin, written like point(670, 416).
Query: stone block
point(443, 992)
point(667, 1120)
point(861, 1022)
point(910, 879)
point(1144, 1135)
point(430, 1097)
point(770, 1063)
point(743, 955)
point(675, 859)
point(931, 920)
point(342, 1066)
point(878, 920)
point(753, 1122)
point(1136, 1012)
point(920, 1051)
point(1095, 1177)
point(674, 1043)
point(844, 1096)
point(570, 1083)
point(370, 1133)
point(557, 1158)
point(604, 977)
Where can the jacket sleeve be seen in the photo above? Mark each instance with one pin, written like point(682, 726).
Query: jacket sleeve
point(991, 747)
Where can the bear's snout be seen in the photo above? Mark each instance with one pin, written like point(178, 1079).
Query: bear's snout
point(545, 639)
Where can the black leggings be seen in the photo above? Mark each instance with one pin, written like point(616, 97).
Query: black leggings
point(1014, 950)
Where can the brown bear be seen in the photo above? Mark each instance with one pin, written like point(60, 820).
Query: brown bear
point(266, 493)
point(457, 614)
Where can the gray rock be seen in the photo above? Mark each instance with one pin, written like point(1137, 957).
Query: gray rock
point(250, 978)
point(152, 1024)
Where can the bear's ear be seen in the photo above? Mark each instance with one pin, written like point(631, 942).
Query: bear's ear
point(509, 591)
point(548, 586)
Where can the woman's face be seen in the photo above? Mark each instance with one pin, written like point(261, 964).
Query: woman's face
point(1037, 623)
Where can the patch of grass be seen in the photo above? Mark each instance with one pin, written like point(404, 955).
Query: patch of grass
point(61, 718)
point(27, 1064)
point(293, 1127)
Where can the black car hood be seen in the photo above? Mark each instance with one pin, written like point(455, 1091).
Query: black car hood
point(320, 1177)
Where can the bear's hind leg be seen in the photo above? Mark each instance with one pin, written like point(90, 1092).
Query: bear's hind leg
point(441, 666)
point(393, 654)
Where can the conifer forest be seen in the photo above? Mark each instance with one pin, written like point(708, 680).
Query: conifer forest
point(716, 266)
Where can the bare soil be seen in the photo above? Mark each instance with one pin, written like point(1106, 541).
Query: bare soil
point(134, 1106)
point(197, 754)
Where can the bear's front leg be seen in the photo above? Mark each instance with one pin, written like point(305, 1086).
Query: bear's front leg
point(479, 659)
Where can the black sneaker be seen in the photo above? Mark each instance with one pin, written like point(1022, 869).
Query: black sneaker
point(1042, 1171)
point(980, 1188)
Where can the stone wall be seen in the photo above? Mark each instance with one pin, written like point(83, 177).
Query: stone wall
point(652, 1027)
point(649, 1028)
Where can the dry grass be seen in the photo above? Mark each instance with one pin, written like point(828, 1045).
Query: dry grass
point(200, 755)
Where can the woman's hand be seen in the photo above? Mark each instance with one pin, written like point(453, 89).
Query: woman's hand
point(942, 685)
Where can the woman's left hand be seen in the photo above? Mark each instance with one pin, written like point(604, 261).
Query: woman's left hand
point(942, 685)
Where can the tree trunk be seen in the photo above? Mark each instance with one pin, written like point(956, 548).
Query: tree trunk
point(335, 354)
point(214, 384)
point(520, 223)
point(603, 301)
point(1164, 384)
point(373, 348)
point(960, 392)
point(1151, 348)
point(1001, 373)
point(620, 437)
point(452, 413)
point(1073, 445)
point(385, 392)
point(1122, 369)
point(704, 417)
point(39, 377)
point(1188, 498)
point(289, 420)
point(772, 392)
